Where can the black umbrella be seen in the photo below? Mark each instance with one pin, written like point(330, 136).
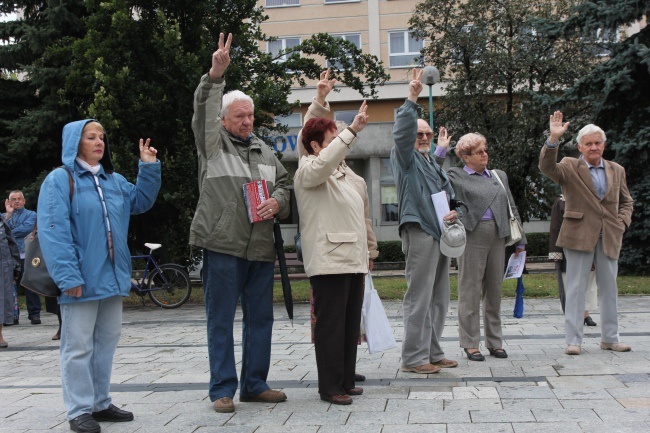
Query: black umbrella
point(284, 273)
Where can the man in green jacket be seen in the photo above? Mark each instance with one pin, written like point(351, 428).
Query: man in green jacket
point(238, 255)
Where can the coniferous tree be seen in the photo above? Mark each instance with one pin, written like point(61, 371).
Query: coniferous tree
point(618, 96)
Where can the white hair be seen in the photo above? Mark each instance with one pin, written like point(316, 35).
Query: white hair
point(590, 129)
point(340, 125)
point(232, 96)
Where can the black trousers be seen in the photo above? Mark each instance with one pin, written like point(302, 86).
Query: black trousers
point(338, 299)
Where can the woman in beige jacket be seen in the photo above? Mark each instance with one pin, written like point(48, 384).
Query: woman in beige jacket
point(335, 251)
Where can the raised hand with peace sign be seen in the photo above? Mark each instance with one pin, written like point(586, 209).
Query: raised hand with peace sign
point(415, 86)
point(221, 58)
point(324, 86)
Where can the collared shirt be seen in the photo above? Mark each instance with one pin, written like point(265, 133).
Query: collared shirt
point(488, 215)
point(597, 173)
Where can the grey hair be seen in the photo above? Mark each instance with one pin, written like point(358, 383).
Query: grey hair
point(590, 129)
point(17, 191)
point(468, 142)
point(232, 96)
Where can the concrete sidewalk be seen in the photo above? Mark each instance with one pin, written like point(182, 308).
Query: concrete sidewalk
point(161, 374)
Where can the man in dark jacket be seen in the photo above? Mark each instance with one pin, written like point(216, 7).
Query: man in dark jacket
point(417, 176)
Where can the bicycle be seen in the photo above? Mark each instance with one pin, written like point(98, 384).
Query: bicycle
point(167, 285)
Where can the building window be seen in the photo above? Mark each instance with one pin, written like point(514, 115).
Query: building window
point(281, 45)
point(404, 49)
point(388, 191)
point(281, 3)
point(346, 116)
point(355, 38)
point(293, 120)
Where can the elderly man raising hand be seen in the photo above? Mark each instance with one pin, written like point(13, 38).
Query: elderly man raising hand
point(598, 210)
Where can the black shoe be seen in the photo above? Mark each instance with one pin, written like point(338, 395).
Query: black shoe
point(359, 377)
point(113, 414)
point(16, 322)
point(36, 321)
point(474, 356)
point(85, 424)
point(498, 353)
point(589, 321)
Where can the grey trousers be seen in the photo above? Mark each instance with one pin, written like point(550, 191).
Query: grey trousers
point(578, 267)
point(480, 276)
point(426, 300)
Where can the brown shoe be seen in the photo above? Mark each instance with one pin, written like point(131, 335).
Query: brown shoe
point(224, 405)
point(268, 396)
point(421, 369)
point(446, 363)
point(355, 391)
point(616, 347)
point(342, 399)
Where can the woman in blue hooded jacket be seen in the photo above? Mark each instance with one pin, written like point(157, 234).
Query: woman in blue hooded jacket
point(83, 222)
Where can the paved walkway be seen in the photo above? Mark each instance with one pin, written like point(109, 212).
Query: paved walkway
point(161, 373)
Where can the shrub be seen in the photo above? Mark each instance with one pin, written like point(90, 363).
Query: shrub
point(537, 244)
point(390, 251)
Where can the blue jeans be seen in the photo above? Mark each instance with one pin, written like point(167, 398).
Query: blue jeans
point(226, 280)
point(89, 336)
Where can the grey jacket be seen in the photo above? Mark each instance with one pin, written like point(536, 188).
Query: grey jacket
point(226, 163)
point(479, 193)
point(416, 178)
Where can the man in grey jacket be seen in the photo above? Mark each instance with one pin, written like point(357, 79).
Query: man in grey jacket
point(238, 255)
point(417, 176)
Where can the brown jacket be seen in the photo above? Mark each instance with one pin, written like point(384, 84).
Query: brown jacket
point(586, 214)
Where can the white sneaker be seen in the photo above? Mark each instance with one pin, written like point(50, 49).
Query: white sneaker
point(572, 350)
point(616, 347)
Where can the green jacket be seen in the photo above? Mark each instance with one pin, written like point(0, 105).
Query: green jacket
point(226, 163)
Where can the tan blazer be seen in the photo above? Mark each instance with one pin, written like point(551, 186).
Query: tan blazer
point(585, 214)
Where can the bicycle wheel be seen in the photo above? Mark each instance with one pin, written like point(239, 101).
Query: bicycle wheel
point(169, 286)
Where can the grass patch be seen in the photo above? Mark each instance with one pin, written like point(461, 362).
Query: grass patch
point(393, 288)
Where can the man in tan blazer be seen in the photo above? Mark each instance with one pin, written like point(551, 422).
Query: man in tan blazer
point(598, 210)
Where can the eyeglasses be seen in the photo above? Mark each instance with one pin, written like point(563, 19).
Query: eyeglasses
point(422, 134)
point(480, 152)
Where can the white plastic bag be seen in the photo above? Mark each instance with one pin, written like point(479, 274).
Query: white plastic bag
point(379, 334)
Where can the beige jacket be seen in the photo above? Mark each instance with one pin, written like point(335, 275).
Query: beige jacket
point(317, 110)
point(585, 214)
point(332, 223)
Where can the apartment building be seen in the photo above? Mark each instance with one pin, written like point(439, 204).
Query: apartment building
point(378, 27)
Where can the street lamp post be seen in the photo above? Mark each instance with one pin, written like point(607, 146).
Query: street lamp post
point(431, 76)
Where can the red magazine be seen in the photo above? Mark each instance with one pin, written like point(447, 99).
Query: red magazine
point(255, 193)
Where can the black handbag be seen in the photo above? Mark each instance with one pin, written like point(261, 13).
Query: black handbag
point(35, 275)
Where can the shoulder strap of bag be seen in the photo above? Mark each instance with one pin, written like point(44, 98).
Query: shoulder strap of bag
point(494, 172)
point(70, 181)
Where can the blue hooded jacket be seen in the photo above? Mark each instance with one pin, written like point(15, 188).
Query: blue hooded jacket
point(73, 232)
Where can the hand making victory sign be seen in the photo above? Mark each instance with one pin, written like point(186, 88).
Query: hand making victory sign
point(221, 58)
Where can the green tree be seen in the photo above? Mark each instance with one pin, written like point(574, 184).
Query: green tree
point(504, 65)
point(34, 61)
point(134, 67)
point(617, 92)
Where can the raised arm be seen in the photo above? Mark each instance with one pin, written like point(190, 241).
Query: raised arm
point(405, 127)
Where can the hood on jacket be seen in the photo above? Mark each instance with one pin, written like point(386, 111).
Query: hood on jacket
point(72, 138)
